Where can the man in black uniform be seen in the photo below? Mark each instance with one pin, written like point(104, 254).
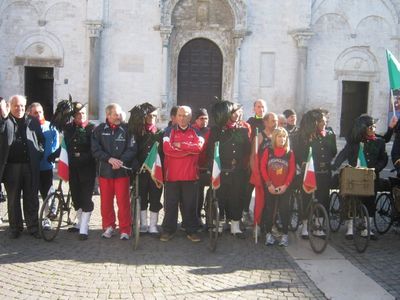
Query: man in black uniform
point(22, 144)
point(142, 124)
point(82, 167)
point(234, 147)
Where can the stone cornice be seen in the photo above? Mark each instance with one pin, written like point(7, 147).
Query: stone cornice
point(301, 36)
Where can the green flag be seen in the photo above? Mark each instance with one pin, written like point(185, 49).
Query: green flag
point(361, 161)
point(394, 70)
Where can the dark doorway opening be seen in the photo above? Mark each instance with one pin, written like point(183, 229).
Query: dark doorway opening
point(39, 87)
point(199, 74)
point(354, 103)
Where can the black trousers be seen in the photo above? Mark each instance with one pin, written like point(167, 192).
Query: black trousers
point(45, 182)
point(18, 179)
point(230, 194)
point(324, 183)
point(81, 183)
point(149, 193)
point(185, 194)
point(281, 202)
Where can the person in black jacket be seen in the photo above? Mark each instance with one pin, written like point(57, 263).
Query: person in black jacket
point(82, 167)
point(22, 144)
point(115, 150)
point(363, 135)
point(314, 133)
point(234, 151)
point(142, 124)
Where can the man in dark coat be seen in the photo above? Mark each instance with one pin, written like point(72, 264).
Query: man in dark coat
point(22, 144)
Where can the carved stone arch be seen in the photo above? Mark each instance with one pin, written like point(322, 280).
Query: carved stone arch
point(184, 20)
point(357, 61)
point(238, 7)
point(39, 49)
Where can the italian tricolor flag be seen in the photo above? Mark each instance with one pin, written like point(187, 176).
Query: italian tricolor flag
point(361, 161)
point(309, 181)
point(216, 170)
point(63, 167)
point(153, 165)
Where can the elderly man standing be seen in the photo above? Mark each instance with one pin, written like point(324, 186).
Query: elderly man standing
point(21, 152)
point(115, 149)
point(182, 147)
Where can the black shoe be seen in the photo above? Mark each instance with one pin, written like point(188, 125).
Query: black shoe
point(14, 234)
point(36, 235)
point(240, 235)
point(73, 229)
point(349, 237)
point(304, 236)
point(373, 237)
point(83, 237)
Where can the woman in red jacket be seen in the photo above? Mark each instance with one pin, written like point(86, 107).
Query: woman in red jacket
point(277, 169)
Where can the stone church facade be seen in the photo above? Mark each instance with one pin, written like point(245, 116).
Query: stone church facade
point(295, 54)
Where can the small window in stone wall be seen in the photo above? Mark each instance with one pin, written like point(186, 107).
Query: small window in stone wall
point(267, 69)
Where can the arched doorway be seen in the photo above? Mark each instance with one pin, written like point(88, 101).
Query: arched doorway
point(199, 74)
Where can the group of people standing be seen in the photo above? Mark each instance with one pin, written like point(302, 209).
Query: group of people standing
point(268, 146)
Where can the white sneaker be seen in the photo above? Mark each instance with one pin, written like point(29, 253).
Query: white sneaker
point(46, 224)
point(124, 236)
point(284, 240)
point(108, 233)
point(319, 233)
point(269, 239)
point(304, 230)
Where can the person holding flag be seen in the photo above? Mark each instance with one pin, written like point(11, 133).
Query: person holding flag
point(364, 149)
point(314, 133)
point(78, 166)
point(234, 153)
point(142, 124)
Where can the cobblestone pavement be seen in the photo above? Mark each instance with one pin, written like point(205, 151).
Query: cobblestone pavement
point(381, 260)
point(109, 269)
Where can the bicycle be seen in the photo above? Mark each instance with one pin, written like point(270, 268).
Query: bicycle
point(356, 183)
point(52, 212)
point(387, 207)
point(213, 220)
point(317, 220)
point(336, 213)
point(135, 212)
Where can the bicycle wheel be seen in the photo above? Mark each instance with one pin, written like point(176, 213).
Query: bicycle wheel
point(335, 216)
point(51, 215)
point(68, 208)
point(383, 214)
point(213, 225)
point(361, 227)
point(294, 219)
point(318, 228)
point(135, 214)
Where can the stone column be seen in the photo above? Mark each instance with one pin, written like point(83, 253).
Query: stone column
point(165, 32)
point(238, 38)
point(95, 105)
point(301, 36)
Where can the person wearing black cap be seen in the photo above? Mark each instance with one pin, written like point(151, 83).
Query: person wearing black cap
point(201, 125)
point(142, 123)
point(82, 167)
point(363, 135)
point(22, 144)
point(234, 151)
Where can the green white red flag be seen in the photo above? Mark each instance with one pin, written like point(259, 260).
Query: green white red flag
point(361, 161)
point(153, 165)
point(216, 170)
point(309, 181)
point(394, 70)
point(63, 166)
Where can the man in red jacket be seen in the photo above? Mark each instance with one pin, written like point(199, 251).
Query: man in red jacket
point(182, 146)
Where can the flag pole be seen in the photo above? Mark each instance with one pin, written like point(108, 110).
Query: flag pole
point(392, 101)
point(255, 223)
